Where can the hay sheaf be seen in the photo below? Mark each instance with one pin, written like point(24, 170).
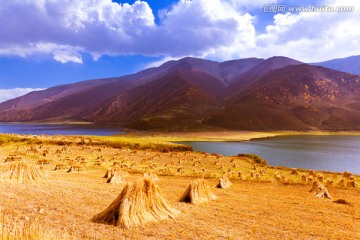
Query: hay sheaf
point(139, 203)
point(118, 177)
point(224, 182)
point(319, 190)
point(152, 176)
point(21, 172)
point(198, 192)
point(76, 168)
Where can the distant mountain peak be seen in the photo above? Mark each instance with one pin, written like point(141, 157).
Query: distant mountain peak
point(193, 93)
point(282, 59)
point(349, 64)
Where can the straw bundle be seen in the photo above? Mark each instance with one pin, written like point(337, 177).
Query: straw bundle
point(20, 172)
point(197, 192)
point(138, 203)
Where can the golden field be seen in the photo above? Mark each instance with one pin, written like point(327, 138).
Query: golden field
point(262, 203)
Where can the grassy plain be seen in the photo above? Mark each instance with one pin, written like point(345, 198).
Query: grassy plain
point(257, 206)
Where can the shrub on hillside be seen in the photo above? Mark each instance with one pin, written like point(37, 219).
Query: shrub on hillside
point(257, 159)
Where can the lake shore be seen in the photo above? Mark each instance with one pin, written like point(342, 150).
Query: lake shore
point(226, 135)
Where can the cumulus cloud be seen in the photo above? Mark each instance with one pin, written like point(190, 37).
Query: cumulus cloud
point(246, 4)
point(65, 29)
point(7, 94)
point(67, 55)
point(216, 29)
point(313, 36)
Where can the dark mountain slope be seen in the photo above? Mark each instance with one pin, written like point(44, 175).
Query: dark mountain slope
point(258, 70)
point(181, 98)
point(295, 97)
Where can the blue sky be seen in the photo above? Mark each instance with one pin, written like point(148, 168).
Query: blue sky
point(45, 43)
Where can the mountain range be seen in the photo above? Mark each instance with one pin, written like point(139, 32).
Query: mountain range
point(348, 64)
point(277, 93)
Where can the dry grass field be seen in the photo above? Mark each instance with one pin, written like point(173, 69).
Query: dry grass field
point(262, 202)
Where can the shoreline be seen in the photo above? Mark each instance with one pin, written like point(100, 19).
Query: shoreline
point(228, 136)
point(217, 135)
point(178, 140)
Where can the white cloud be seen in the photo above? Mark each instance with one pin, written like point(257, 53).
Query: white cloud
point(216, 29)
point(7, 94)
point(163, 60)
point(67, 55)
point(65, 29)
point(250, 4)
point(313, 36)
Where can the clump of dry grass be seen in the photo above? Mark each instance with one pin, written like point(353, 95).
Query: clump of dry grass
point(139, 203)
point(21, 172)
point(224, 182)
point(198, 192)
point(19, 230)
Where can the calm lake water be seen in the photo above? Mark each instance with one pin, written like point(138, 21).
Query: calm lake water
point(330, 153)
point(58, 129)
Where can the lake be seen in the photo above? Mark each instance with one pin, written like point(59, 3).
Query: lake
point(58, 129)
point(330, 153)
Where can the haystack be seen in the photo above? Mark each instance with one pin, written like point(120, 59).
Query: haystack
point(60, 166)
point(139, 203)
point(118, 177)
point(77, 168)
point(21, 172)
point(320, 190)
point(152, 176)
point(224, 182)
point(197, 192)
point(13, 158)
point(111, 172)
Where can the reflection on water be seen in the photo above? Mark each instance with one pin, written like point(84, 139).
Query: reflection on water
point(331, 153)
point(58, 129)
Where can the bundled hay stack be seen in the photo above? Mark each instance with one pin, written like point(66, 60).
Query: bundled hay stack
point(77, 168)
point(347, 174)
point(118, 177)
point(13, 158)
point(320, 190)
point(198, 192)
point(138, 203)
point(224, 182)
point(60, 166)
point(111, 172)
point(152, 176)
point(20, 172)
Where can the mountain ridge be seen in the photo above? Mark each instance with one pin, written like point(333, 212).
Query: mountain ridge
point(277, 93)
point(348, 64)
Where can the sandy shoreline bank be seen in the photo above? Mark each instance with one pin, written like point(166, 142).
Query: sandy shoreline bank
point(226, 136)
